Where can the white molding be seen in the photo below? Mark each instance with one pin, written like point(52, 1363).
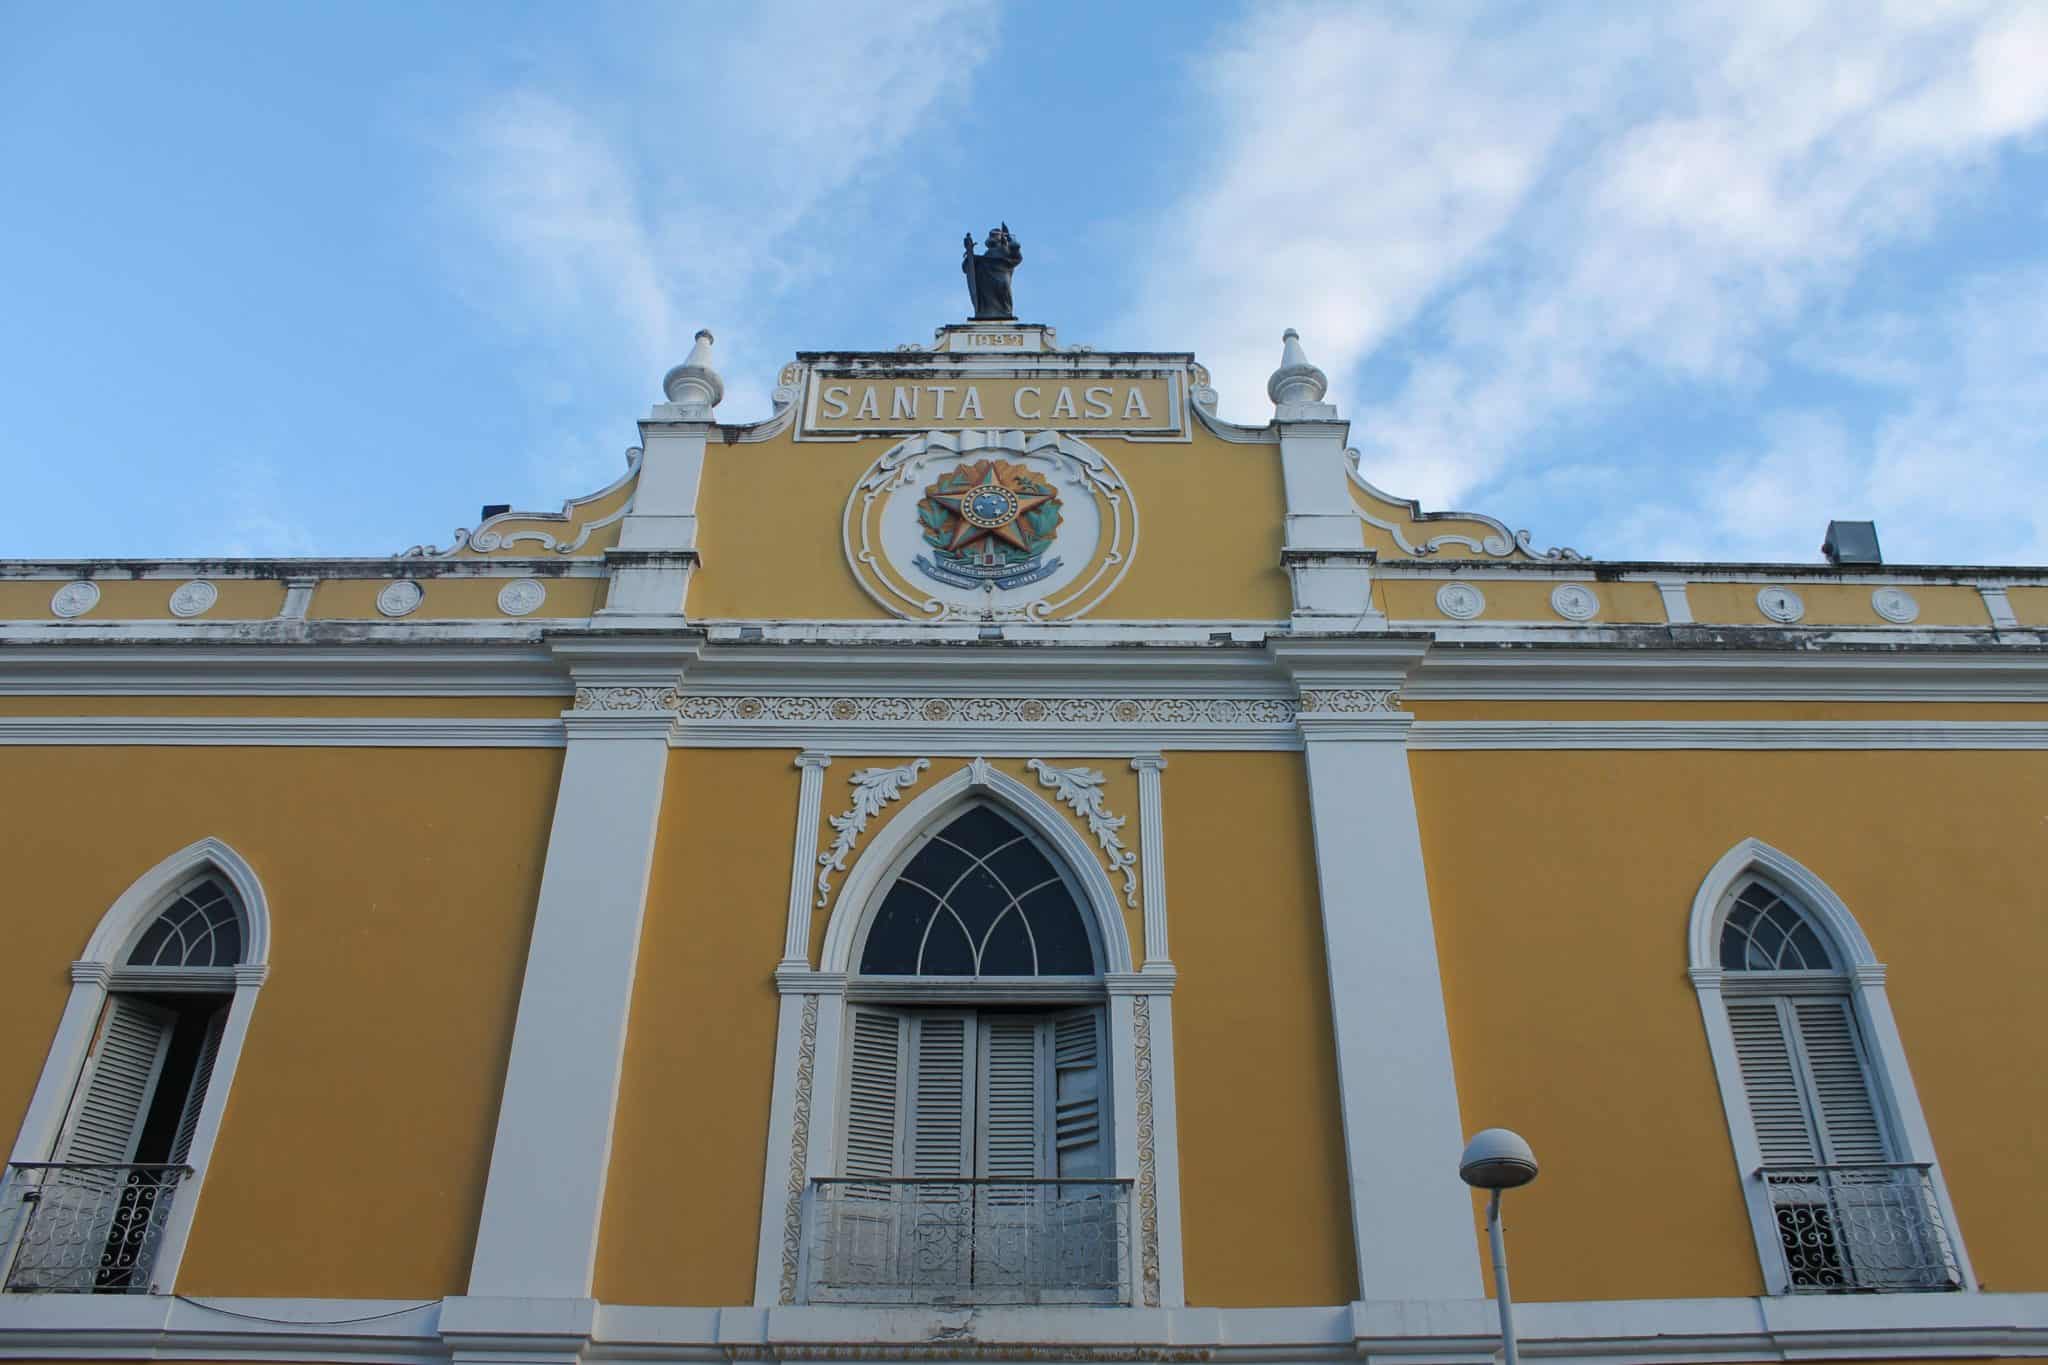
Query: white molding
point(307, 1331)
point(1864, 980)
point(98, 972)
point(372, 732)
point(1999, 604)
point(294, 664)
point(1009, 742)
point(876, 866)
point(796, 938)
point(1726, 674)
point(1728, 734)
point(1152, 848)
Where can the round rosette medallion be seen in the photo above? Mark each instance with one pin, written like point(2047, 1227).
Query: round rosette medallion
point(1003, 525)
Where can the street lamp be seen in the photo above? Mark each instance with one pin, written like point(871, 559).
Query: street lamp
point(1497, 1160)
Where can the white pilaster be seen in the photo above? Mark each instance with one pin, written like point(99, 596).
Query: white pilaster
point(1152, 855)
point(803, 868)
point(1411, 1218)
point(538, 1234)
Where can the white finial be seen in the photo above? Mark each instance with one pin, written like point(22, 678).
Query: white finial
point(693, 385)
point(1296, 382)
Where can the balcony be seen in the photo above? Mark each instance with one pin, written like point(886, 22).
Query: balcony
point(1861, 1229)
point(83, 1228)
point(982, 1241)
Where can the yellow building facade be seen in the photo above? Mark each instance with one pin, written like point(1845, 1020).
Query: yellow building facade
point(994, 861)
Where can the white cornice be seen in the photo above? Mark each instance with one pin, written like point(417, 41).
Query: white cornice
point(1728, 734)
point(372, 732)
point(1479, 673)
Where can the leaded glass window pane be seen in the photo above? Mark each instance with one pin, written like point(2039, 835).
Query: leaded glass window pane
point(201, 928)
point(981, 898)
point(1766, 933)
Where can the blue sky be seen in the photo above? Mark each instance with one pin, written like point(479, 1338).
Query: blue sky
point(285, 279)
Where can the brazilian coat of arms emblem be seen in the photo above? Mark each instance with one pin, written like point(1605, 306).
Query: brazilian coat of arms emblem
point(989, 523)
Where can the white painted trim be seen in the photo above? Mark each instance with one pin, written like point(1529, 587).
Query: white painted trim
point(803, 867)
point(1729, 734)
point(1999, 604)
point(1727, 674)
point(1864, 982)
point(98, 972)
point(351, 732)
point(876, 866)
point(1152, 851)
point(1914, 1327)
point(1166, 1153)
point(1018, 741)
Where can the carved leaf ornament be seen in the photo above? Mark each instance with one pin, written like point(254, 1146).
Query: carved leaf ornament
point(1081, 788)
point(873, 788)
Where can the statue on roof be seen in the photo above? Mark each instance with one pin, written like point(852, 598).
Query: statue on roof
point(988, 275)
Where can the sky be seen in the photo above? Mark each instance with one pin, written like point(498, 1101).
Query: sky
point(1672, 282)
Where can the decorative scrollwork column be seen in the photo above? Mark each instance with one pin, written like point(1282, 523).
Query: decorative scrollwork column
point(796, 940)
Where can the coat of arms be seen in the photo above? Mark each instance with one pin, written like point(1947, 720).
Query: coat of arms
point(989, 523)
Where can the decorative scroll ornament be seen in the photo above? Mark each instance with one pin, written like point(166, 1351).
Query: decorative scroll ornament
point(799, 1151)
point(1148, 1166)
point(192, 599)
point(1081, 788)
point(1350, 701)
point(1501, 544)
point(625, 699)
point(873, 788)
point(961, 525)
point(486, 537)
point(971, 711)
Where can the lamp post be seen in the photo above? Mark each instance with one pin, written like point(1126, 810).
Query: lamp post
point(1497, 1160)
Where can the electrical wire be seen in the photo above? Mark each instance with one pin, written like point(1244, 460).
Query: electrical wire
point(305, 1322)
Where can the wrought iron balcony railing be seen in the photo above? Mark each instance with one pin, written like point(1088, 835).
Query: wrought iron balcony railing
point(1845, 1229)
point(83, 1228)
point(979, 1241)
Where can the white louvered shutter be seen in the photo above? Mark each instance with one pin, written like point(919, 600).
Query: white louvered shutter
point(119, 1081)
point(1778, 1104)
point(874, 1099)
point(195, 1096)
point(105, 1123)
point(1013, 1096)
point(941, 1095)
point(1080, 1137)
point(1850, 1133)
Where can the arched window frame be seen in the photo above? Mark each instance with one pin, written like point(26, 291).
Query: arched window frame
point(1136, 1001)
point(102, 970)
point(1861, 977)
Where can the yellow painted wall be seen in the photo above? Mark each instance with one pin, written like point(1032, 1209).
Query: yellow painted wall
point(1517, 600)
point(1561, 885)
point(452, 598)
point(401, 885)
point(2029, 605)
point(683, 1202)
point(144, 599)
point(1264, 1196)
point(770, 519)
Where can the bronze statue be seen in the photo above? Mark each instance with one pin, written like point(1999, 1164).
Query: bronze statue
point(988, 275)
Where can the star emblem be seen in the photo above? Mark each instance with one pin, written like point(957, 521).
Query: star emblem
point(991, 508)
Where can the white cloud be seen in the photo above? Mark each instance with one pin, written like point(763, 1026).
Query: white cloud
point(615, 224)
point(1545, 214)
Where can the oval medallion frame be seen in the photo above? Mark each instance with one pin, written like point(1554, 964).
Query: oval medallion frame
point(1097, 531)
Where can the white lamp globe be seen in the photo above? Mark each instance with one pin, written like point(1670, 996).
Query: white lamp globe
point(1497, 1159)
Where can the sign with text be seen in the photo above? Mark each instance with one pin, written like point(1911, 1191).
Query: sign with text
point(947, 399)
